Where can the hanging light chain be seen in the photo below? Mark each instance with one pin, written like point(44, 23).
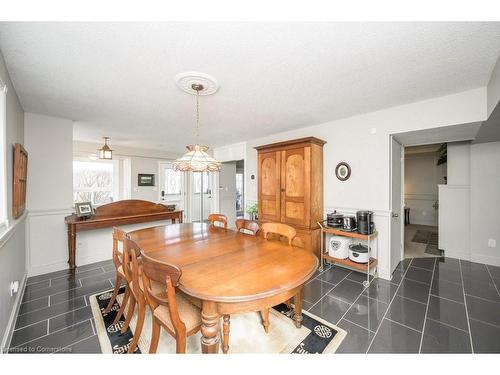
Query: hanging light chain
point(197, 115)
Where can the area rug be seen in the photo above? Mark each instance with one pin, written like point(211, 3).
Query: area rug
point(430, 239)
point(246, 336)
point(421, 236)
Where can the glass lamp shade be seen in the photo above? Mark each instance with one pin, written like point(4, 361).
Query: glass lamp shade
point(106, 153)
point(196, 160)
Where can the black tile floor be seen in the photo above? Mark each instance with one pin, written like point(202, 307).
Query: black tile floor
point(432, 305)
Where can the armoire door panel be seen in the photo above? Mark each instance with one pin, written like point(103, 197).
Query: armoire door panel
point(295, 186)
point(294, 210)
point(269, 185)
point(294, 175)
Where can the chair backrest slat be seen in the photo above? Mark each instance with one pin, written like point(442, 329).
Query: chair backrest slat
point(158, 271)
point(218, 218)
point(119, 237)
point(249, 225)
point(281, 229)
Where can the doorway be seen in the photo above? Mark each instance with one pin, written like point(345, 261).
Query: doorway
point(172, 186)
point(191, 192)
point(425, 168)
point(240, 189)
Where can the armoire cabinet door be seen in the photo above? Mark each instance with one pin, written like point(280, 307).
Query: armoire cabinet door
point(269, 186)
point(296, 186)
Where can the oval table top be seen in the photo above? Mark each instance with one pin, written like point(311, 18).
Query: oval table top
point(223, 265)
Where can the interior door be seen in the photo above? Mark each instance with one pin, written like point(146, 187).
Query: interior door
point(396, 201)
point(295, 186)
point(172, 186)
point(269, 186)
point(201, 188)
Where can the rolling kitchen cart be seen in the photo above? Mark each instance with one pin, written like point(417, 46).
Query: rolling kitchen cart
point(371, 239)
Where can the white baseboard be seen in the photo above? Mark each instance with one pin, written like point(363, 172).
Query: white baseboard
point(58, 266)
point(486, 259)
point(13, 315)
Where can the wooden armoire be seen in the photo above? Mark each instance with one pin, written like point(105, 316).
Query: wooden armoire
point(290, 187)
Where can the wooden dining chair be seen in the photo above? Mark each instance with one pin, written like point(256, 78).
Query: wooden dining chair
point(247, 225)
point(132, 266)
point(119, 237)
point(179, 317)
point(282, 230)
point(218, 218)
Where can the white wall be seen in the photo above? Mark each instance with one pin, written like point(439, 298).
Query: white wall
point(144, 165)
point(470, 203)
point(50, 191)
point(12, 240)
point(363, 142)
point(458, 163)
point(493, 88)
point(50, 143)
point(133, 161)
point(454, 221)
point(485, 202)
point(422, 177)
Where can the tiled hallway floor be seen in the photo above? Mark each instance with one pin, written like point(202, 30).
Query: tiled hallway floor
point(431, 305)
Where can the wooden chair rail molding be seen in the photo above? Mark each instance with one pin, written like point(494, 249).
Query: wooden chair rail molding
point(130, 211)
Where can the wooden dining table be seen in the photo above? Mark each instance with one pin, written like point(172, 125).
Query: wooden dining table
point(229, 272)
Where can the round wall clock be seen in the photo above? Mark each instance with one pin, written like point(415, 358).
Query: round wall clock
point(343, 171)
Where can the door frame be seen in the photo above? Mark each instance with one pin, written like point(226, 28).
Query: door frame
point(401, 182)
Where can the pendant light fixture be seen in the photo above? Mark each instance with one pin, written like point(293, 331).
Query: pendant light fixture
point(105, 153)
point(197, 159)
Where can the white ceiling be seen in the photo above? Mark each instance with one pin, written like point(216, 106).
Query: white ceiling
point(116, 79)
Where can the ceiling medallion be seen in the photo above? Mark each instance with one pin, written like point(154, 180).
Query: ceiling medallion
point(197, 159)
point(186, 80)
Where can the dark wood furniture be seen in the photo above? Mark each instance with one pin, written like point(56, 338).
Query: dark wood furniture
point(218, 218)
point(228, 271)
point(129, 211)
point(165, 308)
point(20, 169)
point(290, 187)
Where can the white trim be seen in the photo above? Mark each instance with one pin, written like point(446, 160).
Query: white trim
point(7, 234)
point(480, 258)
point(9, 329)
point(51, 211)
point(351, 210)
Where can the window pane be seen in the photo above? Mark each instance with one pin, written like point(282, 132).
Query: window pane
point(197, 182)
point(93, 182)
point(172, 181)
point(102, 197)
point(82, 196)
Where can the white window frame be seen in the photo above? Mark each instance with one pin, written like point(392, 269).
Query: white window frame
point(116, 177)
point(4, 217)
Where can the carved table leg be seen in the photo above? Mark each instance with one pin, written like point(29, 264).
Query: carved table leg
point(297, 313)
point(71, 246)
point(209, 328)
point(225, 331)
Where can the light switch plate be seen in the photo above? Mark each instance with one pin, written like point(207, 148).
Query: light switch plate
point(492, 242)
